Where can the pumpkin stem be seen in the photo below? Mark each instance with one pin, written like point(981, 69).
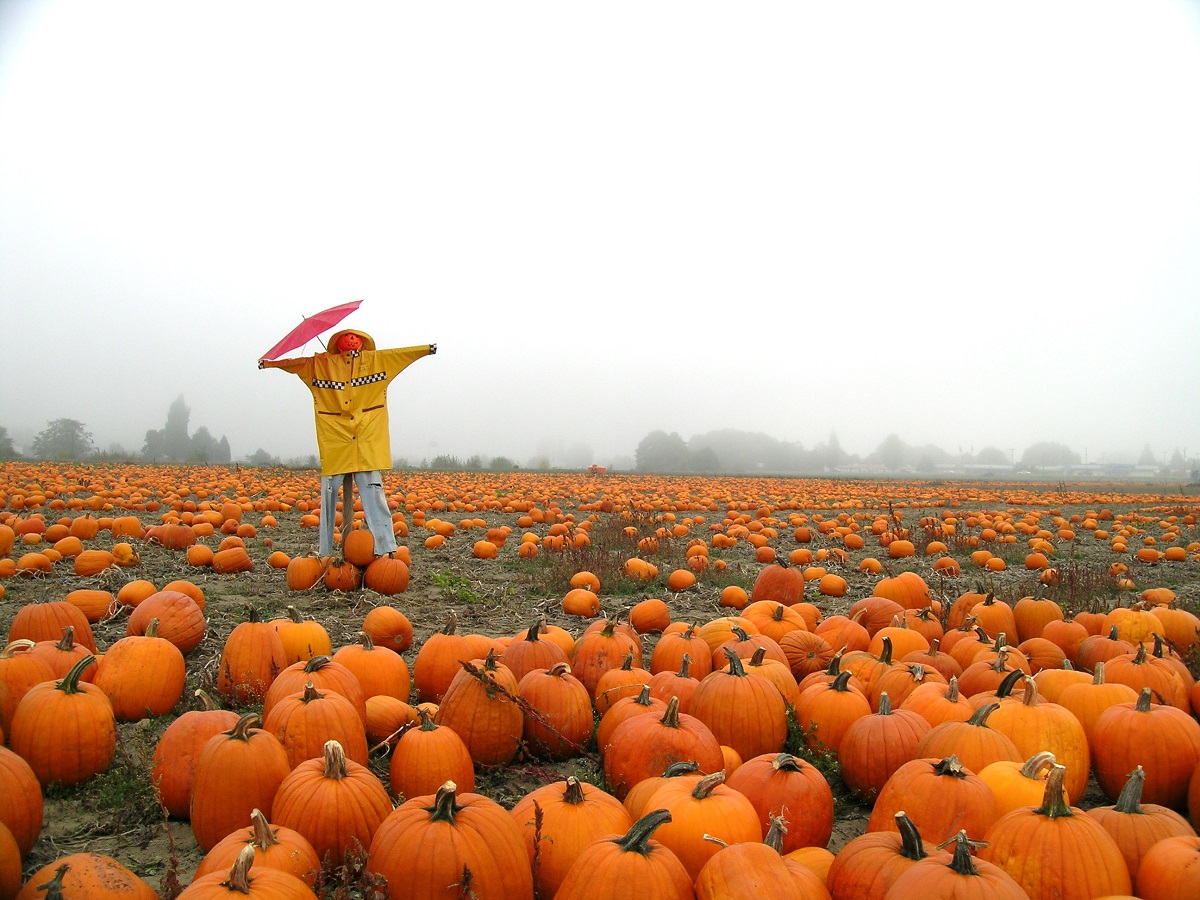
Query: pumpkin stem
point(911, 845)
point(241, 728)
point(206, 700)
point(559, 669)
point(311, 693)
point(1098, 673)
point(534, 632)
point(264, 837)
point(684, 767)
point(627, 664)
point(961, 863)
point(444, 806)
point(317, 663)
point(70, 682)
point(885, 705)
point(1143, 700)
point(950, 766)
point(1010, 681)
point(366, 641)
point(1130, 800)
point(335, 761)
point(573, 794)
point(735, 663)
point(774, 837)
point(979, 717)
point(759, 655)
point(637, 838)
point(952, 689)
point(785, 762)
point(885, 655)
point(451, 623)
point(239, 875)
point(841, 681)
point(835, 664)
point(294, 615)
point(706, 785)
point(152, 628)
point(53, 887)
point(67, 642)
point(1036, 763)
point(1053, 805)
point(684, 665)
point(1031, 692)
point(671, 717)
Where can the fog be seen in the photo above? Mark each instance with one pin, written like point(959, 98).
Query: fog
point(962, 224)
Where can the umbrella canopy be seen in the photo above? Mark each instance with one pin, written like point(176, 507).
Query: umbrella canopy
point(311, 327)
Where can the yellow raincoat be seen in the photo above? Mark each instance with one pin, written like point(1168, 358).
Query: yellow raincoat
point(350, 400)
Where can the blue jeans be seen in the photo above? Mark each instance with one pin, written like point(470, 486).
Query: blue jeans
point(370, 491)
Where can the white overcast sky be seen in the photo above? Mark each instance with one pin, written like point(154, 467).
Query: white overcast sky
point(965, 223)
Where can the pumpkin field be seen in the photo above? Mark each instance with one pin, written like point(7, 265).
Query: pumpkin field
point(830, 679)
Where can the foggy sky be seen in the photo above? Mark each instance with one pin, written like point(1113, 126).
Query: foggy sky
point(965, 224)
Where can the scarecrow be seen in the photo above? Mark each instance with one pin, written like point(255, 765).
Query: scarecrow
point(349, 387)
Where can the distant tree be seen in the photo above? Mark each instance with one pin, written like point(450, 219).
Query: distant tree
point(891, 452)
point(1147, 457)
point(834, 454)
point(501, 464)
point(1047, 454)
point(1177, 463)
point(474, 463)
point(262, 458)
point(662, 452)
point(705, 460)
point(203, 446)
point(223, 456)
point(155, 446)
point(446, 463)
point(992, 456)
point(177, 443)
point(7, 450)
point(63, 439)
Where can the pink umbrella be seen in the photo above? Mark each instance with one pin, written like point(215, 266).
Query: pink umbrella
point(311, 327)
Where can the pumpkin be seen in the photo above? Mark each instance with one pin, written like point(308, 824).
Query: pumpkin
point(304, 572)
point(646, 745)
point(481, 705)
point(302, 638)
point(868, 865)
point(1055, 849)
point(21, 805)
point(780, 582)
point(65, 729)
point(306, 721)
point(275, 847)
point(91, 875)
point(940, 796)
point(1170, 870)
point(697, 809)
point(781, 785)
point(963, 876)
point(559, 820)
point(464, 841)
point(875, 746)
point(530, 652)
point(1136, 827)
point(825, 711)
point(558, 715)
point(251, 658)
point(46, 620)
point(601, 649)
point(378, 671)
point(180, 619)
point(179, 747)
point(237, 772)
point(429, 754)
point(607, 867)
point(1019, 784)
point(387, 574)
point(627, 707)
point(389, 628)
point(243, 880)
point(142, 675)
point(619, 683)
point(439, 660)
point(1163, 740)
point(335, 802)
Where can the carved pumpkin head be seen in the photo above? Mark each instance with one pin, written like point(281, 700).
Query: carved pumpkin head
point(349, 342)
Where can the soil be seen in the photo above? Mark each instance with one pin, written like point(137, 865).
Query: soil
point(498, 597)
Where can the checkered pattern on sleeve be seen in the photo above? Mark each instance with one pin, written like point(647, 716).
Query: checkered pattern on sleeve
point(368, 379)
point(331, 385)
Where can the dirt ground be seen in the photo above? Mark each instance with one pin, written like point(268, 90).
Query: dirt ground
point(499, 597)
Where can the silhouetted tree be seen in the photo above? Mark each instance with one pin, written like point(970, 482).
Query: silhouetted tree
point(7, 450)
point(63, 439)
point(223, 456)
point(176, 442)
point(1147, 457)
point(662, 452)
point(203, 446)
point(992, 456)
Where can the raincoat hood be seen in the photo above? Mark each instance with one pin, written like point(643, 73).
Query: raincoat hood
point(368, 342)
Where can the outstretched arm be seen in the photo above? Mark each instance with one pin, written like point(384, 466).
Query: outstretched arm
point(294, 366)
